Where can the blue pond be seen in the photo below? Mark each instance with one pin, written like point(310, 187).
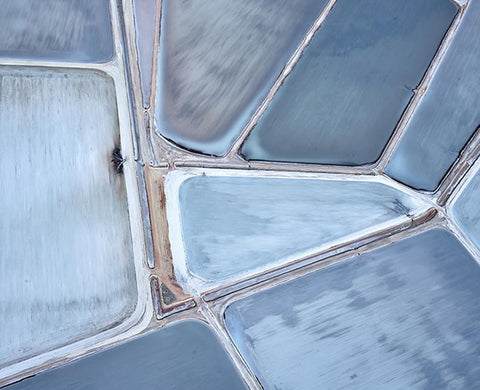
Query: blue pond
point(56, 30)
point(217, 61)
point(466, 209)
point(186, 355)
point(232, 225)
point(404, 316)
point(447, 116)
point(345, 96)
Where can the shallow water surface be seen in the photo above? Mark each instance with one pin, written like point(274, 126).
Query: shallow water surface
point(233, 225)
point(186, 355)
point(448, 114)
point(344, 97)
point(466, 209)
point(56, 30)
point(217, 61)
point(401, 317)
point(145, 12)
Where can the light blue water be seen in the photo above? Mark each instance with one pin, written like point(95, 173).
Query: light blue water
point(236, 224)
point(401, 317)
point(448, 114)
point(466, 210)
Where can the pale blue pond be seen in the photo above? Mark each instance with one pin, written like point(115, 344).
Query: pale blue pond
point(56, 30)
point(466, 209)
point(231, 225)
point(401, 317)
point(448, 114)
point(217, 61)
point(186, 355)
point(343, 99)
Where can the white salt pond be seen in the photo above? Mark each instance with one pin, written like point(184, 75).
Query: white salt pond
point(66, 263)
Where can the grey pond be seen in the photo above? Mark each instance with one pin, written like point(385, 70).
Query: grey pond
point(217, 60)
point(344, 97)
point(66, 262)
point(235, 224)
point(186, 355)
point(401, 317)
point(57, 30)
point(145, 12)
point(466, 209)
point(447, 116)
